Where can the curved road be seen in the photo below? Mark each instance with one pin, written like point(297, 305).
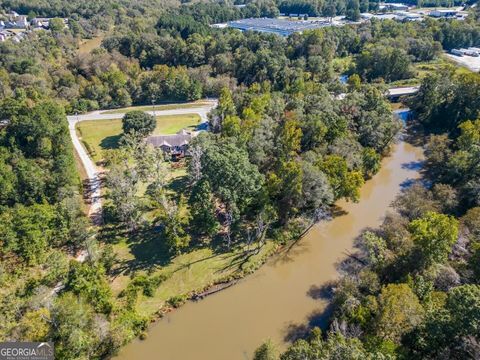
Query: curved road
point(93, 173)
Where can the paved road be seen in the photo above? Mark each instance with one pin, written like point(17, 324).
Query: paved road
point(471, 62)
point(93, 173)
point(201, 110)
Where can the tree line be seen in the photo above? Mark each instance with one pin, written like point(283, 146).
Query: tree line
point(181, 58)
point(272, 157)
point(413, 289)
point(283, 145)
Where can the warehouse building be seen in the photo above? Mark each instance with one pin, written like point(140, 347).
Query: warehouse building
point(276, 26)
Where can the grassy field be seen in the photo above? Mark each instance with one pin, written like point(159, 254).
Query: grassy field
point(424, 68)
point(87, 45)
point(98, 135)
point(426, 10)
point(421, 69)
point(157, 107)
point(192, 271)
point(143, 252)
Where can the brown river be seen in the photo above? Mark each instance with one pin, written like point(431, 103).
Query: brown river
point(281, 298)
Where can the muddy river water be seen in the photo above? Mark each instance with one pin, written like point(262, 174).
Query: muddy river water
point(281, 298)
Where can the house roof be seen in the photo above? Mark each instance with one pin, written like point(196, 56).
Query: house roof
point(169, 140)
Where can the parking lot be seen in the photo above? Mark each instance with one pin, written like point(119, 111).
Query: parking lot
point(472, 63)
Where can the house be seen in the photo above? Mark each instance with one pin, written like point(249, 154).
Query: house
point(21, 22)
point(45, 22)
point(40, 23)
point(7, 34)
point(174, 145)
point(16, 21)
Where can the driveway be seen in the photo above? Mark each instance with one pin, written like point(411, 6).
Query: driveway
point(93, 173)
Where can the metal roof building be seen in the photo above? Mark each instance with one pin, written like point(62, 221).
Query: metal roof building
point(276, 26)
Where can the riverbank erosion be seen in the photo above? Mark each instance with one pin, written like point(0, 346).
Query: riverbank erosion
point(284, 297)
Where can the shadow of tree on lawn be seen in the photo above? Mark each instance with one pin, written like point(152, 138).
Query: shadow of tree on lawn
point(111, 142)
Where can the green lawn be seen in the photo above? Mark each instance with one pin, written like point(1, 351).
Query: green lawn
point(98, 135)
point(142, 253)
point(157, 107)
point(192, 271)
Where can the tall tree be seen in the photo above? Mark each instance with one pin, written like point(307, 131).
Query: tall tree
point(139, 122)
point(434, 235)
point(399, 311)
point(353, 10)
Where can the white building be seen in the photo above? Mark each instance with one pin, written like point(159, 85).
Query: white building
point(16, 21)
point(456, 52)
point(21, 22)
point(443, 13)
point(393, 7)
point(6, 34)
point(408, 16)
point(474, 52)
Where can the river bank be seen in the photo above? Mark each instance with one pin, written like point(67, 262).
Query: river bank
point(284, 297)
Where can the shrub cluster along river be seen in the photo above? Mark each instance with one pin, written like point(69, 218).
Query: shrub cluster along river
point(284, 296)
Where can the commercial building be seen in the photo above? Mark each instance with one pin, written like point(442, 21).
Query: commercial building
point(277, 26)
point(408, 16)
point(474, 52)
point(393, 7)
point(444, 13)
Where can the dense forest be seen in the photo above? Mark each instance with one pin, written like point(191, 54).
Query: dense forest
point(112, 9)
point(283, 147)
point(412, 291)
point(333, 8)
point(179, 53)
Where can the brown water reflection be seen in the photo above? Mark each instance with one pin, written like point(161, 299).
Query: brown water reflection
point(286, 296)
